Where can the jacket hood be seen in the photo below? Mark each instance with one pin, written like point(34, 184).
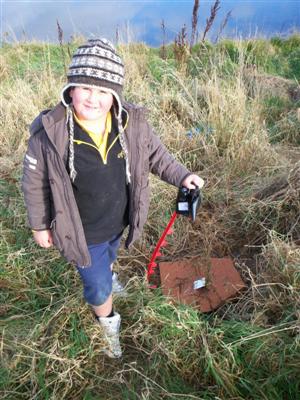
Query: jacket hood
point(37, 123)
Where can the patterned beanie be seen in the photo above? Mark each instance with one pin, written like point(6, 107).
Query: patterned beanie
point(95, 64)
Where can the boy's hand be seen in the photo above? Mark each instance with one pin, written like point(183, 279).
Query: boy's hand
point(192, 181)
point(43, 238)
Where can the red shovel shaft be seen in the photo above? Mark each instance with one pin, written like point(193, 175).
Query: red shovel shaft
point(160, 243)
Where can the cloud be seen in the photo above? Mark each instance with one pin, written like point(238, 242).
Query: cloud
point(142, 19)
point(243, 11)
point(38, 18)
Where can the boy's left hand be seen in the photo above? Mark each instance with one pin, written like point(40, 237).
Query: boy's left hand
point(192, 181)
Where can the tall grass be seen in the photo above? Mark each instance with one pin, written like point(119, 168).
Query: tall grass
point(216, 117)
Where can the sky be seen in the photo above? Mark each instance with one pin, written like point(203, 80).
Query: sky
point(138, 20)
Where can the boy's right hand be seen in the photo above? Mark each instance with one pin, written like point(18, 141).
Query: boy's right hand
point(43, 238)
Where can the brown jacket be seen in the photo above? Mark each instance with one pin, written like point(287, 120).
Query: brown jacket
point(47, 187)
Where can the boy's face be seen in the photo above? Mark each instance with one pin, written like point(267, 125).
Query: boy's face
point(91, 103)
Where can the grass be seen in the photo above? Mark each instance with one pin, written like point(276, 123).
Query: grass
point(238, 127)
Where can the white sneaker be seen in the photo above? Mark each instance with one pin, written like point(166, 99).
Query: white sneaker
point(117, 287)
point(111, 330)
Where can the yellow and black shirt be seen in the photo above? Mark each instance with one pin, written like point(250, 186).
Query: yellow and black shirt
point(100, 186)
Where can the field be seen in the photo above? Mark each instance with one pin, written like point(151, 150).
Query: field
point(231, 113)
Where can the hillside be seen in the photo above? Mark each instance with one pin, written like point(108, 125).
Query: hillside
point(231, 113)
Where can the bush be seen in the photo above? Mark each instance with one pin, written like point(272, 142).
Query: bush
point(229, 47)
point(294, 64)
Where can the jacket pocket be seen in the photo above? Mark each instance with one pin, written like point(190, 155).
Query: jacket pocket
point(55, 237)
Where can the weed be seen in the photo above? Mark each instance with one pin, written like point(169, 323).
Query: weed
point(220, 115)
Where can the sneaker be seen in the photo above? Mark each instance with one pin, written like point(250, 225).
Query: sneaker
point(117, 287)
point(111, 330)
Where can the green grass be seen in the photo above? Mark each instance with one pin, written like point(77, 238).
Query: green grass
point(29, 58)
point(249, 348)
point(282, 121)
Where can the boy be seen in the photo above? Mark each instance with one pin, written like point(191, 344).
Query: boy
point(86, 175)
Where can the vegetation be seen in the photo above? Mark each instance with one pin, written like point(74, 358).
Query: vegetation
point(229, 112)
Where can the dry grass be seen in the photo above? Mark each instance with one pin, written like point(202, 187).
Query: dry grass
point(249, 348)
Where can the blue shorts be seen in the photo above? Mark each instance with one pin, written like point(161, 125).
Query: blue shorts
point(97, 279)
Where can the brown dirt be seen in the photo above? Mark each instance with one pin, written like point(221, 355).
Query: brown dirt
point(223, 281)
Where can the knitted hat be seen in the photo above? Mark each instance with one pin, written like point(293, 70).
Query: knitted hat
point(95, 64)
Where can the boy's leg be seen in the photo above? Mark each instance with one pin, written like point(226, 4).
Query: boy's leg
point(105, 309)
point(97, 279)
point(97, 283)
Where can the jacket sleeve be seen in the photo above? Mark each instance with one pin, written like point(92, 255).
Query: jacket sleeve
point(35, 184)
point(163, 164)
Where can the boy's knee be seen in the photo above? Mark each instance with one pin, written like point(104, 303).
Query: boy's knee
point(96, 295)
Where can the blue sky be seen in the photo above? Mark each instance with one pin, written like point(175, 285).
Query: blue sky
point(139, 20)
